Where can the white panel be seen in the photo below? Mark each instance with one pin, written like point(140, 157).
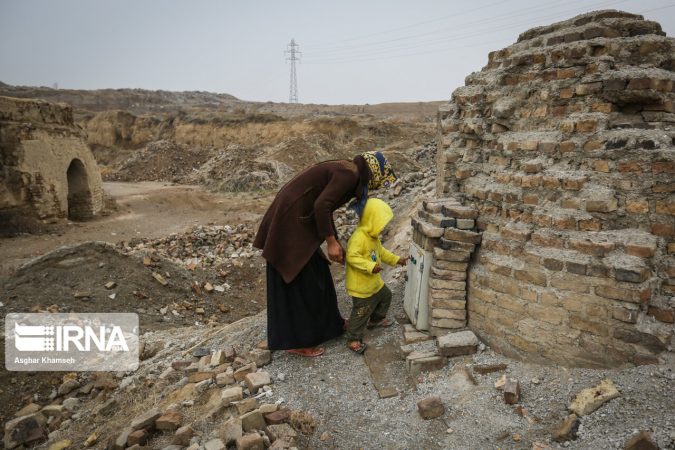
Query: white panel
point(415, 300)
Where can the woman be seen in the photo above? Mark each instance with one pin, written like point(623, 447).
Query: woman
point(302, 307)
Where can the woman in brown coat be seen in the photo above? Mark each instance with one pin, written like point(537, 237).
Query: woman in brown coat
point(302, 307)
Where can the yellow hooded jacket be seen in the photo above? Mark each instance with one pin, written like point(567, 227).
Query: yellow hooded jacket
point(365, 251)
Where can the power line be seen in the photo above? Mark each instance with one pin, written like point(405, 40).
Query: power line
point(466, 25)
point(388, 53)
point(294, 56)
point(391, 30)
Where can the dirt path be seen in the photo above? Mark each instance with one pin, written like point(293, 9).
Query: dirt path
point(144, 209)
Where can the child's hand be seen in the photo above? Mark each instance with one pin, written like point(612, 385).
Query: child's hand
point(377, 268)
point(403, 260)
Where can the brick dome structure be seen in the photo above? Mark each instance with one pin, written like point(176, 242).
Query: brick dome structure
point(564, 145)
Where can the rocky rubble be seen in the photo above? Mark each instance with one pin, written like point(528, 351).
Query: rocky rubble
point(200, 246)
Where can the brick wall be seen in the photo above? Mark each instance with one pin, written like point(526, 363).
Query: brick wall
point(564, 144)
point(38, 143)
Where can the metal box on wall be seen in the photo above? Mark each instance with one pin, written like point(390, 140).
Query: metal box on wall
point(415, 302)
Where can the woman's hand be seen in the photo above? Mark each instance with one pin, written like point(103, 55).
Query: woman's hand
point(335, 251)
point(402, 261)
point(377, 269)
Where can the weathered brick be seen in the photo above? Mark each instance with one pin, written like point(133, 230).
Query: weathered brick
point(601, 165)
point(602, 107)
point(586, 126)
point(631, 275)
point(460, 212)
point(617, 293)
point(590, 225)
point(666, 315)
point(567, 146)
point(452, 234)
point(552, 264)
point(665, 207)
point(663, 229)
point(579, 322)
point(531, 276)
point(641, 250)
point(552, 315)
point(625, 314)
point(630, 166)
point(638, 206)
point(592, 145)
point(663, 167)
point(448, 304)
point(606, 205)
point(547, 239)
point(457, 314)
point(576, 268)
point(599, 249)
point(569, 282)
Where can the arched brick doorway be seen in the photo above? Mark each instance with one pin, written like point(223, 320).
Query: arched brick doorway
point(79, 195)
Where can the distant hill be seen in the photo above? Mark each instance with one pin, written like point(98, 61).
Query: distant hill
point(141, 101)
point(137, 100)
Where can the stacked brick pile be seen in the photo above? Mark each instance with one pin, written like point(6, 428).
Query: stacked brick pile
point(564, 143)
point(446, 229)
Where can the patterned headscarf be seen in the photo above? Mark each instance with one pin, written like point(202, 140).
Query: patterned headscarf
point(381, 175)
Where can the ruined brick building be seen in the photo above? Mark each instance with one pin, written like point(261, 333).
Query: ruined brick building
point(46, 168)
point(553, 235)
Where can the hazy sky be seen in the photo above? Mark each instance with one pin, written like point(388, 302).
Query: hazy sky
point(353, 51)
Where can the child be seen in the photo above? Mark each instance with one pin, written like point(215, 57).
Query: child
point(363, 281)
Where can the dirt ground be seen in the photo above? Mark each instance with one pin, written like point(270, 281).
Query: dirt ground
point(74, 278)
point(147, 209)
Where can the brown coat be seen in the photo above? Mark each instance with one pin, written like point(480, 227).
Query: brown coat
point(301, 215)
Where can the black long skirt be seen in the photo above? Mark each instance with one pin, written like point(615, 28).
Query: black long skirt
point(304, 312)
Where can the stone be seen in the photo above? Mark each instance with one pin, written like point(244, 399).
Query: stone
point(230, 430)
point(484, 369)
point(261, 357)
point(246, 405)
point(230, 395)
point(71, 404)
point(108, 407)
point(567, 430)
point(139, 437)
point(91, 440)
point(214, 444)
point(643, 440)
point(146, 419)
point(240, 374)
point(110, 285)
point(430, 408)
point(257, 380)
point(30, 408)
point(217, 358)
point(266, 408)
point(280, 444)
point(277, 417)
point(60, 445)
point(458, 343)
point(170, 420)
point(424, 362)
point(501, 382)
point(591, 399)
point(225, 378)
point(24, 430)
point(68, 386)
point(410, 337)
point(183, 435)
point(121, 439)
point(284, 432)
point(197, 377)
point(252, 441)
point(511, 391)
point(53, 410)
point(253, 421)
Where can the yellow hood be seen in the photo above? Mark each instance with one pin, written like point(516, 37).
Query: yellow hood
point(376, 215)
